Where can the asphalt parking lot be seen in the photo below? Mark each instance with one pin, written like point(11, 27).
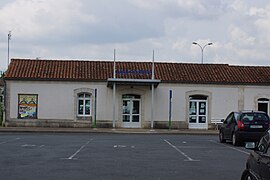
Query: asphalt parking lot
point(118, 156)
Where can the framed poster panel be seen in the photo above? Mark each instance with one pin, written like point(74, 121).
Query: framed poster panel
point(27, 106)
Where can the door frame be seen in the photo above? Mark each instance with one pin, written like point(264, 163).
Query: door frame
point(131, 124)
point(198, 125)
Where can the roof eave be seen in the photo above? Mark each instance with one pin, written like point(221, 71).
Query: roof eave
point(55, 79)
point(137, 82)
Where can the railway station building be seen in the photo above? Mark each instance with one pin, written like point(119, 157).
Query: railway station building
point(129, 94)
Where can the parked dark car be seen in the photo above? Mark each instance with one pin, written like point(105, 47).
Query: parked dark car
point(258, 163)
point(244, 126)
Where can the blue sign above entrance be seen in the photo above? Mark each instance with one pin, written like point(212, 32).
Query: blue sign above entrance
point(135, 71)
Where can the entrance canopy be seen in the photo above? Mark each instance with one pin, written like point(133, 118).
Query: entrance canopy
point(137, 82)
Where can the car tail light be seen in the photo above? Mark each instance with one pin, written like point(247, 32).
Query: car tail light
point(240, 125)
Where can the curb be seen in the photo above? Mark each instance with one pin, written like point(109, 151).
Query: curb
point(105, 130)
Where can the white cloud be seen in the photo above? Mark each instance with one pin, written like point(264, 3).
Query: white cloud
point(241, 38)
point(239, 6)
point(149, 4)
point(90, 29)
point(257, 12)
point(38, 18)
point(191, 5)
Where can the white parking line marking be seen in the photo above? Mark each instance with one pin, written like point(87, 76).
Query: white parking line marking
point(32, 145)
point(73, 155)
point(123, 146)
point(181, 152)
point(239, 150)
point(28, 145)
point(119, 146)
point(12, 140)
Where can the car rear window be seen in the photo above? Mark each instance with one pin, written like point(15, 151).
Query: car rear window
point(247, 117)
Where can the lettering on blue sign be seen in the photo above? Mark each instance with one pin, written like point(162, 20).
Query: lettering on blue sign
point(123, 72)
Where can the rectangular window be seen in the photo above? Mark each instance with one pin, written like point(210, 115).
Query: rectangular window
point(84, 104)
point(27, 106)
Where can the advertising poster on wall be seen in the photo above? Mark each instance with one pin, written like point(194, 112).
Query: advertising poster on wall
point(27, 106)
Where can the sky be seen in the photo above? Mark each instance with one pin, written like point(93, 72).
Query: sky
point(92, 29)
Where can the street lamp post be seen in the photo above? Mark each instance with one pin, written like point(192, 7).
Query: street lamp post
point(202, 48)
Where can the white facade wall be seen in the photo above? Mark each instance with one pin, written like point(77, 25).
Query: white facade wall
point(56, 99)
point(252, 94)
point(222, 100)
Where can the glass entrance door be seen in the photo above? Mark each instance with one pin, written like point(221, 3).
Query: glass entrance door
point(131, 111)
point(198, 114)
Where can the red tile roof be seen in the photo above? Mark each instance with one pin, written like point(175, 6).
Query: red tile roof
point(25, 69)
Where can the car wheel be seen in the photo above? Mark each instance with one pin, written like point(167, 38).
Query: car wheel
point(246, 175)
point(221, 137)
point(235, 140)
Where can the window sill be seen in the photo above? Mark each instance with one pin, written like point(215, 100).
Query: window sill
point(84, 118)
